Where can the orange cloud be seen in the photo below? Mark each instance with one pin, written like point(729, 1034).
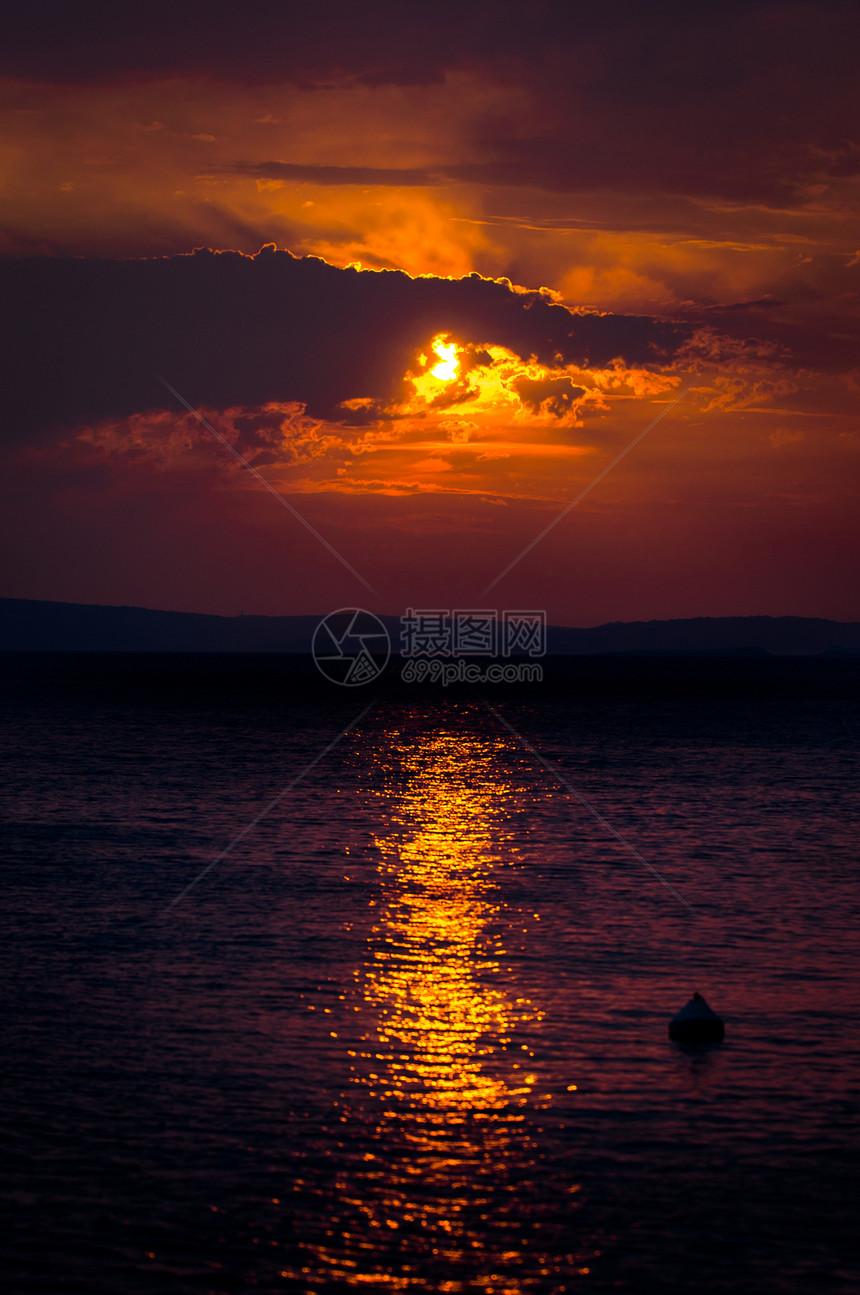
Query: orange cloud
point(498, 427)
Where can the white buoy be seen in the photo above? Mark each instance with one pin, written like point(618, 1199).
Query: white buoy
point(697, 1023)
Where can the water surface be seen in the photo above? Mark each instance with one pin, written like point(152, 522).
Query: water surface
point(410, 1034)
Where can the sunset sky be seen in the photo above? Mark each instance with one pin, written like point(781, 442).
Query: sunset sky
point(429, 269)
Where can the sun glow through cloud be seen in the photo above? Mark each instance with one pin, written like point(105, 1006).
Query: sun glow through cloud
point(446, 369)
point(477, 419)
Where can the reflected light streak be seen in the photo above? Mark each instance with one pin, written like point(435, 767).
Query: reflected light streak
point(441, 1087)
point(432, 976)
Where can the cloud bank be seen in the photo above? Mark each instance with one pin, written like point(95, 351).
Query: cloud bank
point(92, 337)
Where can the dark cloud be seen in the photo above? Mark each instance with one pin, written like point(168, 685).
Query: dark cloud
point(87, 339)
point(820, 338)
point(556, 395)
point(556, 164)
point(750, 100)
point(655, 53)
point(276, 40)
point(363, 175)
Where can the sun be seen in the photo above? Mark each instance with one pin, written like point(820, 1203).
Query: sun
point(446, 369)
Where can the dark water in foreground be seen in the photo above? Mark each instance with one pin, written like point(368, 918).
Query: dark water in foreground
point(410, 1035)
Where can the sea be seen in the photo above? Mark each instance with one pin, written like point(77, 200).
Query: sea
point(323, 989)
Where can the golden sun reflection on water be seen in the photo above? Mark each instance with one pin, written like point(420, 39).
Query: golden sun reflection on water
point(434, 970)
point(442, 1081)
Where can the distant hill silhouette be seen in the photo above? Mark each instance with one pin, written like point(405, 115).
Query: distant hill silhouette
point(31, 625)
point(747, 635)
